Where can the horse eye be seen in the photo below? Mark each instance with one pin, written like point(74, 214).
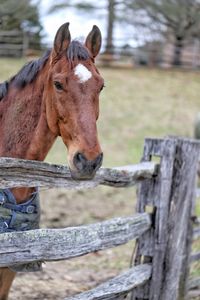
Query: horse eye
point(58, 85)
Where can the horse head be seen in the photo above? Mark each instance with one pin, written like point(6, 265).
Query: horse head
point(72, 99)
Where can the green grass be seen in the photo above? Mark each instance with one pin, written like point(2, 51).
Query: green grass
point(9, 67)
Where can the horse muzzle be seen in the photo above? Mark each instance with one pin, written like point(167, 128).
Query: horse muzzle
point(85, 169)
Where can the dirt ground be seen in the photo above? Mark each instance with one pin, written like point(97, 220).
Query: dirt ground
point(61, 208)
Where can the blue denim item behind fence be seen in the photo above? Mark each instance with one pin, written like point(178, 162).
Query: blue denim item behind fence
point(19, 217)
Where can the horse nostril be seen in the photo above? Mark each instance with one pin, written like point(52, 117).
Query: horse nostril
point(79, 161)
point(80, 157)
point(84, 165)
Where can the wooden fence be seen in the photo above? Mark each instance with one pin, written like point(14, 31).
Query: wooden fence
point(162, 225)
point(12, 43)
point(16, 43)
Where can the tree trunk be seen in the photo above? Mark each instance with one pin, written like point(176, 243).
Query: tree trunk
point(178, 48)
point(110, 26)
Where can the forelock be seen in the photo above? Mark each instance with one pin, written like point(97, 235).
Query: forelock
point(76, 51)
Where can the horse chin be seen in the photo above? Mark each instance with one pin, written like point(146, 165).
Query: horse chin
point(81, 176)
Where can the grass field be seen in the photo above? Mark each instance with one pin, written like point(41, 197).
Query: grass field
point(135, 104)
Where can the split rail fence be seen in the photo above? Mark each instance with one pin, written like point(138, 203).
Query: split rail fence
point(13, 43)
point(163, 225)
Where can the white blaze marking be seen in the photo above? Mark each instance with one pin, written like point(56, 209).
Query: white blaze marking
point(82, 73)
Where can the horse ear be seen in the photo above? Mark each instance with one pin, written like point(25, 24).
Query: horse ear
point(62, 39)
point(93, 41)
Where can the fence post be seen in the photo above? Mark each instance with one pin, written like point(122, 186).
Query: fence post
point(171, 196)
point(25, 43)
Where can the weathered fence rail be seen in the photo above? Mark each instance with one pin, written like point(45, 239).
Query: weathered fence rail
point(118, 287)
point(19, 172)
point(57, 244)
point(12, 43)
point(164, 237)
point(18, 43)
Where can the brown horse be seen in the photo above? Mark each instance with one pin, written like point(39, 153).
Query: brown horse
point(56, 95)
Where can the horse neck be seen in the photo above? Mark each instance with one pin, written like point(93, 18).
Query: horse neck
point(23, 125)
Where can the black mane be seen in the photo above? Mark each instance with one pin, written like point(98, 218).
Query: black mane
point(26, 75)
point(76, 51)
point(29, 71)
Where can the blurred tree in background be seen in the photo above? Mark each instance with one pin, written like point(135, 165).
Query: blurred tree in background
point(111, 9)
point(23, 16)
point(180, 19)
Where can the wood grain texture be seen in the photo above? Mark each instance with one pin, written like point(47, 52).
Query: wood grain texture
point(180, 227)
point(118, 287)
point(171, 196)
point(19, 172)
point(155, 193)
point(57, 244)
